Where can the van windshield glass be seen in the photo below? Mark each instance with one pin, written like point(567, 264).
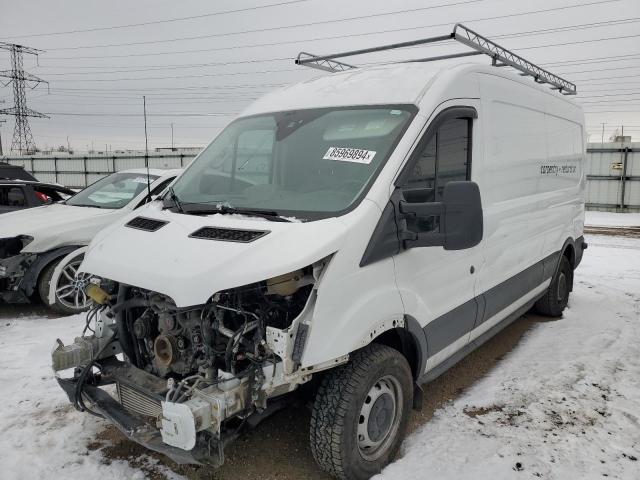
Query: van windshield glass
point(113, 191)
point(306, 163)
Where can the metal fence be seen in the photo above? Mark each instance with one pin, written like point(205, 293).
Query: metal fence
point(78, 171)
point(613, 171)
point(613, 177)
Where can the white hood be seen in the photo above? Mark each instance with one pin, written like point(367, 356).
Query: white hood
point(190, 270)
point(57, 225)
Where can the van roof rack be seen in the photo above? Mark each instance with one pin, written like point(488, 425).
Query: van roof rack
point(501, 57)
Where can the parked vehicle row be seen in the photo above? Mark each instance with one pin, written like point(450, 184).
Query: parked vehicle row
point(19, 190)
point(34, 242)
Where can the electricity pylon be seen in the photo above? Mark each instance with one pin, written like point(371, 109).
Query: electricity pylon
point(22, 141)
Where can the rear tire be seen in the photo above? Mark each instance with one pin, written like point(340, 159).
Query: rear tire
point(360, 413)
point(556, 298)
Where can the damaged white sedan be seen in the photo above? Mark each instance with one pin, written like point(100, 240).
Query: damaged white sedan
point(41, 248)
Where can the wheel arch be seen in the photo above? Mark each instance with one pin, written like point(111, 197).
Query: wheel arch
point(31, 278)
point(51, 294)
point(408, 340)
point(569, 251)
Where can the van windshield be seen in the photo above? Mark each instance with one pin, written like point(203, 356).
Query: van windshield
point(306, 163)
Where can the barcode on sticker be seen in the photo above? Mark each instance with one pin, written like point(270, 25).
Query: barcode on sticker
point(356, 155)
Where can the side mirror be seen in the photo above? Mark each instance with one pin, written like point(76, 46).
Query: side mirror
point(459, 214)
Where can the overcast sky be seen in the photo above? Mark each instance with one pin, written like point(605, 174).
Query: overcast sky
point(97, 78)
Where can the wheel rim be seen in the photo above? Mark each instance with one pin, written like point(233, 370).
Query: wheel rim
point(379, 418)
point(71, 286)
point(562, 287)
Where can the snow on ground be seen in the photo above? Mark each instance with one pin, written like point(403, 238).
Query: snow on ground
point(563, 405)
point(42, 435)
point(611, 219)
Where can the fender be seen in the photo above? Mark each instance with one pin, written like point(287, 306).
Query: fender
point(567, 243)
point(30, 279)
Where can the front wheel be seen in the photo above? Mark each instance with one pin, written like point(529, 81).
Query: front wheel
point(360, 413)
point(70, 297)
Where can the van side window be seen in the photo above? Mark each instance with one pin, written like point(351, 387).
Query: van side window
point(445, 158)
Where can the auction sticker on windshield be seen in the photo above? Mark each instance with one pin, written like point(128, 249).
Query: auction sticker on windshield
point(349, 155)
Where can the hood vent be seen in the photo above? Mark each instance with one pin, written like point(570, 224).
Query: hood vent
point(228, 234)
point(147, 224)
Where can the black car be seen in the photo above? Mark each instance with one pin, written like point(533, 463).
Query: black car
point(15, 172)
point(20, 194)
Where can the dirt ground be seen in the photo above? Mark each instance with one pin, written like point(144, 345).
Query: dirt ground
point(279, 447)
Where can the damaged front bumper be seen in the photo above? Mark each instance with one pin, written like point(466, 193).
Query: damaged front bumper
point(189, 432)
point(207, 451)
point(13, 271)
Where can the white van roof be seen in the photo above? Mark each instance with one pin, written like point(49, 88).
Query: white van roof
point(391, 84)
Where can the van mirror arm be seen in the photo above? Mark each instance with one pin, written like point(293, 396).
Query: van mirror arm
point(427, 209)
point(426, 239)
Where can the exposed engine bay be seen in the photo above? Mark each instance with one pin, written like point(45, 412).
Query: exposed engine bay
point(208, 368)
point(226, 334)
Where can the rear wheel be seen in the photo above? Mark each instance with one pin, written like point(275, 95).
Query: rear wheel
point(556, 298)
point(361, 412)
point(70, 297)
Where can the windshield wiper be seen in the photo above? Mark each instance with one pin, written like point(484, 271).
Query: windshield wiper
point(228, 210)
point(175, 199)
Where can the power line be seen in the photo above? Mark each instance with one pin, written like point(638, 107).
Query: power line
point(200, 75)
point(198, 65)
point(169, 67)
point(181, 114)
point(194, 87)
point(585, 61)
point(611, 111)
point(266, 29)
point(601, 70)
point(156, 22)
point(609, 95)
point(625, 102)
point(607, 78)
point(604, 39)
point(207, 75)
point(351, 35)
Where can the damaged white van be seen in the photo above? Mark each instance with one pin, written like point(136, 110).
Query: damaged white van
point(348, 238)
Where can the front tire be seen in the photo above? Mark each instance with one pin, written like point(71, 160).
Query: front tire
point(556, 298)
point(70, 297)
point(361, 412)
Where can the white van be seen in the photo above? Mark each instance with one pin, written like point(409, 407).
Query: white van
point(357, 234)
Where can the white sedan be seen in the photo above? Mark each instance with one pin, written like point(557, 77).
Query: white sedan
point(47, 242)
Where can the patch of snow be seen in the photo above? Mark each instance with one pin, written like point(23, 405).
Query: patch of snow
point(565, 404)
point(611, 219)
point(42, 436)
